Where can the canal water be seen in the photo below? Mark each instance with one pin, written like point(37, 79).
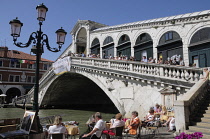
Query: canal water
point(80, 116)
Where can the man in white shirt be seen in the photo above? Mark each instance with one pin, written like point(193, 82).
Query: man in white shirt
point(98, 128)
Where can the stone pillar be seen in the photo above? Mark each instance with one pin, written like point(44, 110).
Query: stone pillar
point(181, 109)
point(73, 44)
point(185, 54)
point(88, 41)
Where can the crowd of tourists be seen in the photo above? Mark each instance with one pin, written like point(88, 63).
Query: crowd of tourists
point(173, 60)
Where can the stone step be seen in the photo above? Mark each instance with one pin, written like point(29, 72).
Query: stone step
point(205, 136)
point(204, 124)
point(204, 130)
point(207, 115)
point(207, 111)
point(205, 119)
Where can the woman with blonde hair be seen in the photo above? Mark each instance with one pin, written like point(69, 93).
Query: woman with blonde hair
point(58, 127)
point(118, 122)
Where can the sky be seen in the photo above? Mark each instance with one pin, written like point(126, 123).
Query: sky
point(65, 13)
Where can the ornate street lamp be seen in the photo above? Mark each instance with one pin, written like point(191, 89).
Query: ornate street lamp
point(38, 40)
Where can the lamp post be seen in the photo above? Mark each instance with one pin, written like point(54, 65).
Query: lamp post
point(38, 40)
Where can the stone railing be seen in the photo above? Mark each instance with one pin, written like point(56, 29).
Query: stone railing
point(188, 103)
point(188, 74)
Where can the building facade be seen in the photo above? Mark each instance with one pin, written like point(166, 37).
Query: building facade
point(186, 36)
point(17, 72)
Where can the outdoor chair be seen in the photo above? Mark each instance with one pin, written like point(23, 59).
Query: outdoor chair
point(137, 136)
point(57, 135)
point(118, 133)
point(152, 129)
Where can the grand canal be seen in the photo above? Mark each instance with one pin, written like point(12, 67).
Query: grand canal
point(80, 116)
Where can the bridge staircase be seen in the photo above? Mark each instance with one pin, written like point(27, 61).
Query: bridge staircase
point(200, 118)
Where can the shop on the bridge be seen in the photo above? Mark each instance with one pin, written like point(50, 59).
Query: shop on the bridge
point(170, 45)
point(124, 46)
point(199, 48)
point(95, 47)
point(143, 47)
point(108, 47)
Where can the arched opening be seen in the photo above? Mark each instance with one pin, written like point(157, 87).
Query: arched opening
point(11, 93)
point(199, 48)
point(81, 41)
point(108, 47)
point(143, 47)
point(95, 47)
point(124, 46)
point(170, 45)
point(75, 91)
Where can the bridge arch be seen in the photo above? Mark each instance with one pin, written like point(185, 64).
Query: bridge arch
point(49, 98)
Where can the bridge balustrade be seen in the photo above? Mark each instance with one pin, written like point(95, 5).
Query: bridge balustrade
point(188, 74)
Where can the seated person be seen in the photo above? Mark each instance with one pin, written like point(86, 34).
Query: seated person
point(171, 123)
point(134, 123)
point(118, 122)
point(163, 110)
point(98, 128)
point(157, 108)
point(149, 119)
point(58, 127)
point(163, 114)
point(91, 122)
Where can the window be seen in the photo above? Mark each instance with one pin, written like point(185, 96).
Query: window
point(45, 66)
point(17, 78)
point(0, 77)
point(31, 66)
point(31, 79)
point(14, 78)
point(1, 63)
point(15, 64)
point(169, 36)
point(12, 64)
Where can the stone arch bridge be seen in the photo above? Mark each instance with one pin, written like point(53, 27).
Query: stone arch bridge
point(128, 85)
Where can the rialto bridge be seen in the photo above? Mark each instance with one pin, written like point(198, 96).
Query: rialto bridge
point(133, 85)
point(122, 85)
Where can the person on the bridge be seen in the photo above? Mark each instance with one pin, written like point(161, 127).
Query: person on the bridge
point(97, 130)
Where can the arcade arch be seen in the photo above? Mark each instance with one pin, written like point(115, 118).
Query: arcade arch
point(143, 46)
point(170, 44)
point(108, 47)
point(11, 93)
point(95, 47)
point(124, 46)
point(199, 48)
point(81, 41)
